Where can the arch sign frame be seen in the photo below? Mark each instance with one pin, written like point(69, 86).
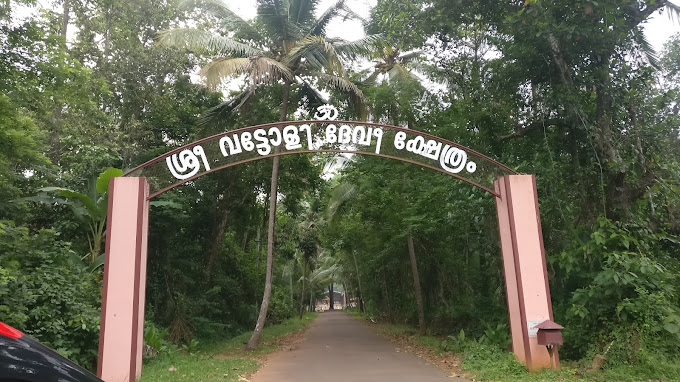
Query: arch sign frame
point(121, 337)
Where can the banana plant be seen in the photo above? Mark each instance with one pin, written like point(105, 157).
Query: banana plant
point(89, 208)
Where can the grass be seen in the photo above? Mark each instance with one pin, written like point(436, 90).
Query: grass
point(222, 361)
point(489, 364)
point(486, 363)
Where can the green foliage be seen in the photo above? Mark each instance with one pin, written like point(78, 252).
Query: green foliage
point(488, 362)
point(89, 208)
point(47, 292)
point(279, 307)
point(19, 152)
point(156, 338)
point(627, 301)
point(454, 343)
point(498, 335)
point(567, 91)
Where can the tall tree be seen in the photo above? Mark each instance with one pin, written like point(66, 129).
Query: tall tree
point(286, 45)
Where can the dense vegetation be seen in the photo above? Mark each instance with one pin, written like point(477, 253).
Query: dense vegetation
point(569, 91)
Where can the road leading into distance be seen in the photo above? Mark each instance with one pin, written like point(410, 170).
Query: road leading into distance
point(338, 348)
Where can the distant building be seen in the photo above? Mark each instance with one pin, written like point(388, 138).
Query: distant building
point(340, 302)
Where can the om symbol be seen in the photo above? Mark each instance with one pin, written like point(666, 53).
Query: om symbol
point(326, 113)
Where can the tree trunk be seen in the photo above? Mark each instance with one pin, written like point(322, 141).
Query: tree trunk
point(245, 241)
point(390, 315)
point(302, 289)
point(257, 333)
point(65, 18)
point(361, 292)
point(257, 262)
point(290, 283)
point(273, 195)
point(416, 284)
point(216, 245)
point(344, 296)
point(54, 152)
point(107, 34)
point(331, 296)
point(257, 240)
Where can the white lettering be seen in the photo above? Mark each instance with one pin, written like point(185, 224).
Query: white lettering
point(400, 140)
point(378, 133)
point(187, 160)
point(234, 147)
point(432, 149)
point(291, 137)
point(247, 141)
point(344, 134)
point(275, 141)
point(359, 136)
point(453, 159)
point(331, 136)
point(310, 142)
point(416, 145)
point(263, 147)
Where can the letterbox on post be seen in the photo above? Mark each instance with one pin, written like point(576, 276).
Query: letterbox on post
point(550, 335)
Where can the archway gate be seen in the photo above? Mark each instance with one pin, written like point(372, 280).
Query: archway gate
point(121, 337)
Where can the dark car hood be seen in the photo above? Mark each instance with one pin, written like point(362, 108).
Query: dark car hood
point(25, 359)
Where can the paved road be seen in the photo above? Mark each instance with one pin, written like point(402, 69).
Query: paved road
point(337, 347)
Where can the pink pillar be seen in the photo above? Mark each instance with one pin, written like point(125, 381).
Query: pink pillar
point(524, 264)
point(121, 335)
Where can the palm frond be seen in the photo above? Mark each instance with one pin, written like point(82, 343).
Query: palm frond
point(302, 11)
point(260, 70)
point(648, 50)
point(275, 18)
point(230, 20)
point(197, 40)
point(341, 194)
point(366, 47)
point(673, 12)
point(267, 71)
point(409, 57)
point(318, 52)
point(344, 85)
point(309, 96)
point(222, 68)
point(219, 114)
point(339, 9)
point(341, 84)
point(372, 78)
point(398, 74)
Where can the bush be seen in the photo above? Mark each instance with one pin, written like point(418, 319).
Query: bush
point(47, 292)
point(279, 307)
point(628, 300)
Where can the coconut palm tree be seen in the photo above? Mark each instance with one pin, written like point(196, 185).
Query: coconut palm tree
point(394, 66)
point(329, 270)
point(287, 46)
